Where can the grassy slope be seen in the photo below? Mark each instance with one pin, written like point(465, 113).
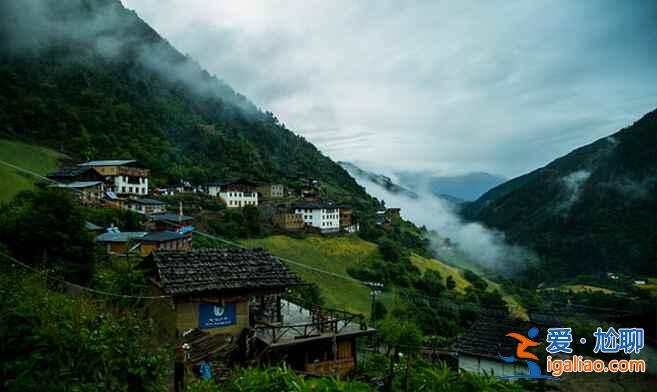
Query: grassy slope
point(336, 254)
point(445, 270)
point(332, 254)
point(515, 308)
point(37, 159)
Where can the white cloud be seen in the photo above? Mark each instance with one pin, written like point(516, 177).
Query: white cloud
point(499, 87)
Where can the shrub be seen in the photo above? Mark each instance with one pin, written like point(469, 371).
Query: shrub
point(51, 342)
point(46, 228)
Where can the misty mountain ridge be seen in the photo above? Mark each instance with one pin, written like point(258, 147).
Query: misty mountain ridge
point(379, 179)
point(455, 189)
point(91, 79)
point(464, 187)
point(591, 211)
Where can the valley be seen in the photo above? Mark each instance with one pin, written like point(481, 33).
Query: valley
point(173, 234)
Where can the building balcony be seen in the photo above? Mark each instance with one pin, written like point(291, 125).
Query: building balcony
point(289, 323)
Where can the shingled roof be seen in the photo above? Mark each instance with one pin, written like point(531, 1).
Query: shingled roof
point(314, 205)
point(70, 172)
point(486, 337)
point(217, 270)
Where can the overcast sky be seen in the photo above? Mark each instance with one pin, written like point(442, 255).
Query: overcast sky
point(447, 86)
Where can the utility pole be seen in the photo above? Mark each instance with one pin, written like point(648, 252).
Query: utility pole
point(375, 291)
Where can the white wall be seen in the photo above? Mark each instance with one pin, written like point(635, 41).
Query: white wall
point(145, 209)
point(237, 199)
point(123, 186)
point(327, 220)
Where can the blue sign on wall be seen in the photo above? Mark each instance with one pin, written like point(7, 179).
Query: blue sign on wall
point(213, 316)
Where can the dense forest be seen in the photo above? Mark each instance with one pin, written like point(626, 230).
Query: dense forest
point(589, 212)
point(92, 80)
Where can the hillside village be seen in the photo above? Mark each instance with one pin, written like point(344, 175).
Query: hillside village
point(227, 303)
point(160, 231)
point(223, 306)
point(124, 184)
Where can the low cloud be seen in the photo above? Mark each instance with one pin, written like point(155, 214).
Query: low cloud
point(115, 34)
point(572, 187)
point(487, 248)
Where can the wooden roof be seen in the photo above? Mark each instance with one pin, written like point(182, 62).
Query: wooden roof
point(71, 172)
point(486, 337)
point(221, 270)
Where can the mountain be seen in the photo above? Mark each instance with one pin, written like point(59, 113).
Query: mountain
point(90, 79)
point(379, 179)
point(465, 187)
point(589, 212)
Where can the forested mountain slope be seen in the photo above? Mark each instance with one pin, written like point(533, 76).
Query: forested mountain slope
point(590, 211)
point(92, 80)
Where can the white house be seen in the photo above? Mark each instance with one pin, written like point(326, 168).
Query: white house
point(145, 206)
point(324, 216)
point(123, 177)
point(235, 194)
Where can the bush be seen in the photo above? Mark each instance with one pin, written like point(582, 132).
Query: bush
point(46, 228)
point(309, 294)
point(450, 283)
point(442, 379)
point(430, 283)
point(51, 342)
point(477, 281)
point(123, 219)
point(237, 223)
point(282, 379)
point(389, 250)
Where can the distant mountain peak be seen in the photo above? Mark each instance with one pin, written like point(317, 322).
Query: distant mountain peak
point(466, 186)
